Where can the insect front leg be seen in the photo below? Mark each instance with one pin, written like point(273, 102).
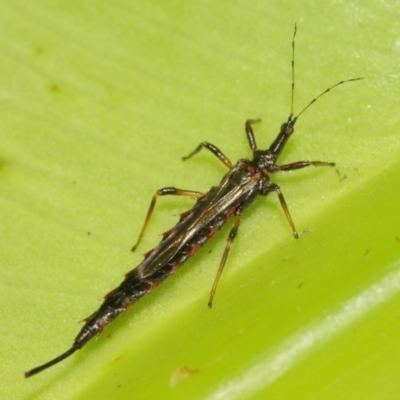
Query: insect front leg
point(214, 149)
point(303, 164)
point(250, 134)
point(231, 238)
point(163, 192)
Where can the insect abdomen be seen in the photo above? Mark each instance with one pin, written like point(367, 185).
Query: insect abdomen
point(133, 287)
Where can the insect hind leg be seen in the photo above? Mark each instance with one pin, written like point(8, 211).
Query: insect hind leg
point(163, 192)
point(231, 238)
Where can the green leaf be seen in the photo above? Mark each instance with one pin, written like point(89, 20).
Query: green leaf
point(99, 102)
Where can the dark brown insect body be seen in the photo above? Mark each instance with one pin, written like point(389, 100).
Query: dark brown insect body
point(245, 180)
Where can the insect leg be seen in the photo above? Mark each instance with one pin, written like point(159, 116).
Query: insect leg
point(163, 192)
point(275, 188)
point(250, 134)
point(214, 149)
point(231, 238)
point(303, 164)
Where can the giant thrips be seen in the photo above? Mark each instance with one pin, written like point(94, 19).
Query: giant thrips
point(242, 184)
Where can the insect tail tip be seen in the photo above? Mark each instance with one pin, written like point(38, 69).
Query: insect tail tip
point(52, 362)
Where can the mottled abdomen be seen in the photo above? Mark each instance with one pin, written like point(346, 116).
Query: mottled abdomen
point(135, 285)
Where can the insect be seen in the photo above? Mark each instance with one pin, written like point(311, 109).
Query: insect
point(243, 183)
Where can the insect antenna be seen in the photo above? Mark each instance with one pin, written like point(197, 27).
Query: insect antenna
point(294, 35)
point(324, 92)
point(50, 363)
point(291, 119)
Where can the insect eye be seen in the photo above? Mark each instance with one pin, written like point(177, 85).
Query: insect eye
point(289, 130)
